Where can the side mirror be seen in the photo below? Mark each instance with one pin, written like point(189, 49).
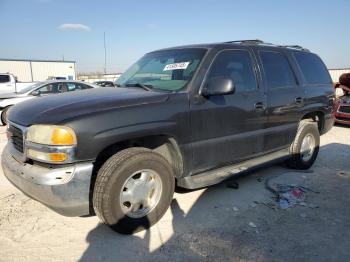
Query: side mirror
point(35, 93)
point(218, 86)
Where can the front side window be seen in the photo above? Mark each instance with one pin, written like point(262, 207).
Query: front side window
point(48, 89)
point(55, 88)
point(168, 70)
point(277, 70)
point(313, 69)
point(237, 66)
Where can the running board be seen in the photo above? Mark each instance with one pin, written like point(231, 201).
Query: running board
point(216, 176)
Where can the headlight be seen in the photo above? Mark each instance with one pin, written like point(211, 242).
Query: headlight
point(50, 143)
point(51, 135)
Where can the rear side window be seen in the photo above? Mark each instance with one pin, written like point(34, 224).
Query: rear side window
point(313, 69)
point(277, 70)
point(82, 86)
point(4, 78)
point(71, 86)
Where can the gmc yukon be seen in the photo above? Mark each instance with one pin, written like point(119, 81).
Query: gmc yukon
point(190, 116)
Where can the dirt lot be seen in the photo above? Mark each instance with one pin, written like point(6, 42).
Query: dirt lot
point(218, 223)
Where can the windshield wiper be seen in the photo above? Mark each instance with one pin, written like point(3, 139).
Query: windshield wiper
point(145, 87)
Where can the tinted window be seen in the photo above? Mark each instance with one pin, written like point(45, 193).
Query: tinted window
point(71, 86)
point(64, 87)
point(82, 86)
point(313, 69)
point(105, 83)
point(48, 89)
point(236, 65)
point(4, 78)
point(111, 84)
point(54, 88)
point(277, 70)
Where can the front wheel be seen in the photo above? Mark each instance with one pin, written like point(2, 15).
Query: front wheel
point(133, 190)
point(305, 147)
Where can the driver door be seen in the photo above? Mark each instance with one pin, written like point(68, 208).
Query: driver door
point(229, 128)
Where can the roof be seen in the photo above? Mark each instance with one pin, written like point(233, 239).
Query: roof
point(62, 81)
point(36, 60)
point(254, 42)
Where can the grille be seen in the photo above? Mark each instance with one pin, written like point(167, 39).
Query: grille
point(344, 109)
point(16, 138)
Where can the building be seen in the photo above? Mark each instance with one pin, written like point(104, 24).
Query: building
point(38, 70)
point(336, 73)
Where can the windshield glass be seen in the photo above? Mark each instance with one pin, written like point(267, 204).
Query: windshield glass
point(29, 88)
point(168, 70)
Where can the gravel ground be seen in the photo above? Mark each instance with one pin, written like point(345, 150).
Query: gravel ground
point(217, 223)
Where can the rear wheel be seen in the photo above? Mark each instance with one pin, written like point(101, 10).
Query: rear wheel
point(304, 149)
point(133, 190)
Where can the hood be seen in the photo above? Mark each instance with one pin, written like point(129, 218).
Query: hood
point(59, 108)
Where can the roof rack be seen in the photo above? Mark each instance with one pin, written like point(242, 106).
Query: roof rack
point(253, 41)
point(295, 47)
point(260, 42)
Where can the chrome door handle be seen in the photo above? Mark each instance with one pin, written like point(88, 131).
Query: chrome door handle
point(298, 100)
point(259, 106)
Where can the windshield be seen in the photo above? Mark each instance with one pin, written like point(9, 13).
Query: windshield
point(29, 88)
point(168, 70)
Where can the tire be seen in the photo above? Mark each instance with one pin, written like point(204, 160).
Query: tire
point(111, 184)
point(299, 160)
point(4, 115)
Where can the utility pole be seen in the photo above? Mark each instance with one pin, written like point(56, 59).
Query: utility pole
point(104, 41)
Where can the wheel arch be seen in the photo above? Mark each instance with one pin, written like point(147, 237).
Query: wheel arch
point(316, 116)
point(165, 145)
point(7, 107)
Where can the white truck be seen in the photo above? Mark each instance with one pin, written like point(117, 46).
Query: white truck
point(9, 84)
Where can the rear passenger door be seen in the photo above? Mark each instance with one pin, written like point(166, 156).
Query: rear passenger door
point(285, 98)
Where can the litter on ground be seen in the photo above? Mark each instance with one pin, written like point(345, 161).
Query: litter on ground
point(289, 195)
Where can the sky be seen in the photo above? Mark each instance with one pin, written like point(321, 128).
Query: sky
point(74, 29)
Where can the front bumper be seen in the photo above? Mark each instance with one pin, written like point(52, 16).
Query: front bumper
point(64, 189)
point(342, 118)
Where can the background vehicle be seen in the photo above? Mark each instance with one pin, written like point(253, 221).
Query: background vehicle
point(9, 84)
point(37, 90)
point(57, 78)
point(342, 114)
point(192, 116)
point(105, 83)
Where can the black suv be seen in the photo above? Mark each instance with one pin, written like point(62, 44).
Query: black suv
point(189, 116)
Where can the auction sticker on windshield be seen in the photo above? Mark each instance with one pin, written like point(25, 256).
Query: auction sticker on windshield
point(176, 66)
